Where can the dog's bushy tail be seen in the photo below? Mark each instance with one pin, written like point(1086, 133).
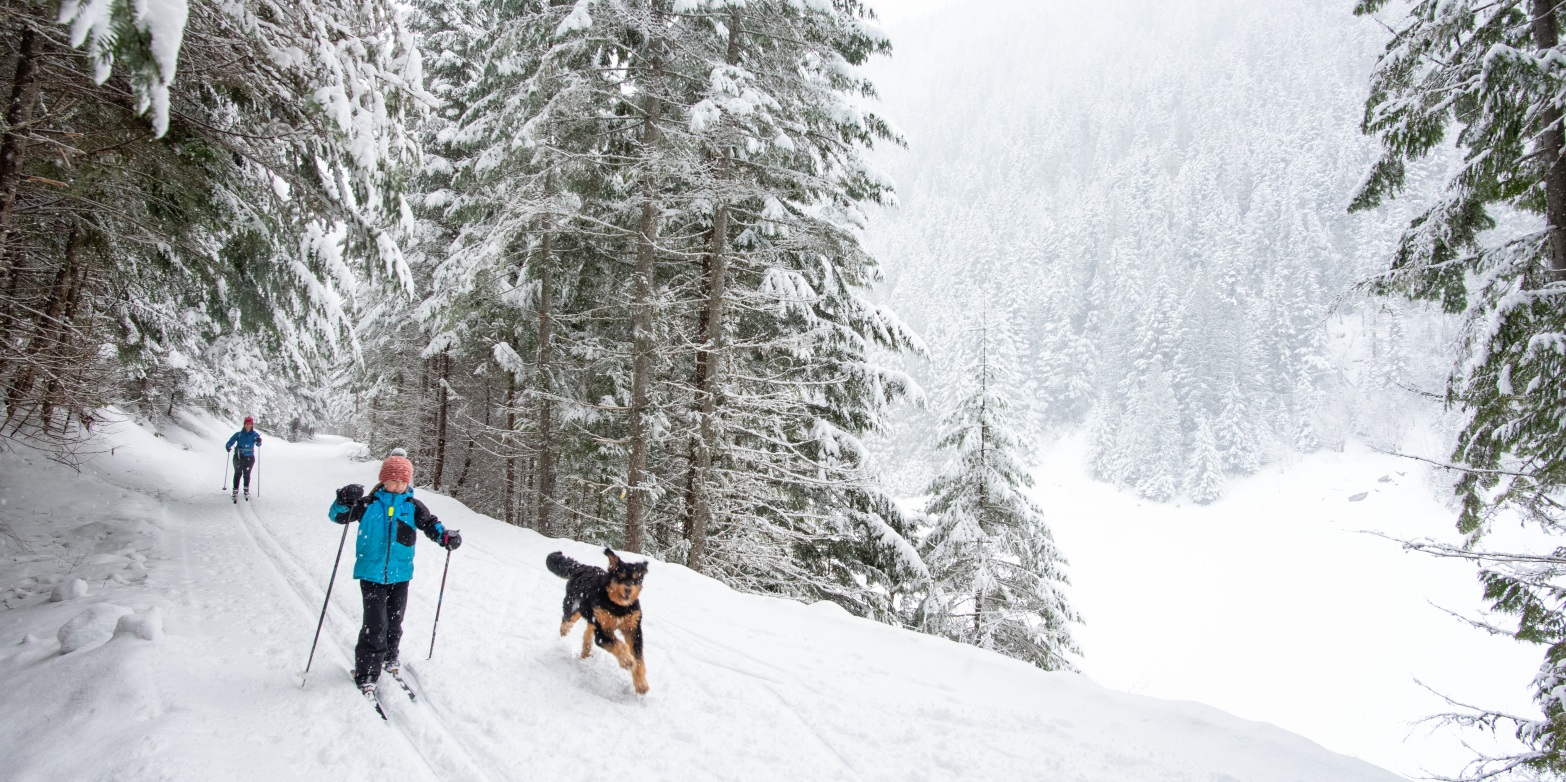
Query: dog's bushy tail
point(562, 565)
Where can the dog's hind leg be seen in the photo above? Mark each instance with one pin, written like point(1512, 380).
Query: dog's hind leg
point(565, 624)
point(587, 641)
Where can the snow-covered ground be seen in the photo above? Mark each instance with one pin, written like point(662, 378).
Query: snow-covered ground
point(202, 682)
point(1273, 603)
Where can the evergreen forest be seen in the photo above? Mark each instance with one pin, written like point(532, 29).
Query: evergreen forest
point(667, 276)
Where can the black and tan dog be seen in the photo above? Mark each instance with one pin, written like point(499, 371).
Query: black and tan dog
point(609, 601)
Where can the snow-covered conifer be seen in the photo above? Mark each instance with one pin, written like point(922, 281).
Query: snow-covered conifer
point(1204, 478)
point(995, 575)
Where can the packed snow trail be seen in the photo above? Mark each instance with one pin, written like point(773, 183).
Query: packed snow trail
point(743, 687)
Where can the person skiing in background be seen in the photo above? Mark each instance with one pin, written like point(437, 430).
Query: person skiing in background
point(244, 443)
point(388, 519)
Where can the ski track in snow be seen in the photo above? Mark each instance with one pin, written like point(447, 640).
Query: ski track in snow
point(442, 753)
point(743, 687)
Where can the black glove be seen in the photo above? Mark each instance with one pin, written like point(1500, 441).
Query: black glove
point(451, 539)
point(350, 494)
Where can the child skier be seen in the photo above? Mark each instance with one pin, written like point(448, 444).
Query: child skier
point(245, 456)
point(387, 518)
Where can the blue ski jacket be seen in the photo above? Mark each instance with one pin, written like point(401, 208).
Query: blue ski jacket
point(247, 441)
point(387, 524)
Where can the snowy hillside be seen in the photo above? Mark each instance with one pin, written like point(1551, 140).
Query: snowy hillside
point(203, 682)
point(1165, 236)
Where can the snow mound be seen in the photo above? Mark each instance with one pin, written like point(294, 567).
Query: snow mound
point(93, 626)
point(76, 588)
point(147, 625)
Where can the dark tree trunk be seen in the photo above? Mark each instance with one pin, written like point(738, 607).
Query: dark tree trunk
point(711, 350)
point(440, 420)
point(13, 154)
point(1546, 35)
point(546, 441)
point(46, 325)
point(531, 521)
point(642, 305)
point(467, 462)
point(510, 450)
point(62, 347)
point(13, 146)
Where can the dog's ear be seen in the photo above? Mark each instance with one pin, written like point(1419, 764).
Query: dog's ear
point(614, 560)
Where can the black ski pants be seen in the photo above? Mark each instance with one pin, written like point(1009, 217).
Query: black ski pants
point(383, 608)
point(242, 465)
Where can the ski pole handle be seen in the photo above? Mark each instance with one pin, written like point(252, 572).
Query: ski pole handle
point(328, 600)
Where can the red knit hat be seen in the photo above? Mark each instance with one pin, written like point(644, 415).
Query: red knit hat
point(249, 420)
point(396, 468)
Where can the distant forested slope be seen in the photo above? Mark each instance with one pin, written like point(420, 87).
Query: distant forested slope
point(1152, 201)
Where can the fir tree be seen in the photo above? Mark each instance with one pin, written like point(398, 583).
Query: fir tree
point(996, 577)
point(1204, 478)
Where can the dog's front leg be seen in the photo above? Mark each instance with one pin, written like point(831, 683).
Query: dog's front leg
point(565, 624)
point(612, 644)
point(639, 672)
point(587, 641)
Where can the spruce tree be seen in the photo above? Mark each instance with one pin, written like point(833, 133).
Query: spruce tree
point(1204, 478)
point(996, 578)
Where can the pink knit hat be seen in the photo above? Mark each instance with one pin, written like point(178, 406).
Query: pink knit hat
point(396, 468)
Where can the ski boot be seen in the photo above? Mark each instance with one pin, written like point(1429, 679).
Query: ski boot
point(368, 690)
point(247, 494)
point(235, 496)
point(392, 666)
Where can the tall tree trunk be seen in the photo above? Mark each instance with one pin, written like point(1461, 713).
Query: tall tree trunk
point(46, 325)
point(712, 345)
point(13, 146)
point(546, 439)
point(13, 154)
point(531, 496)
point(61, 350)
point(690, 474)
point(440, 419)
point(428, 417)
point(642, 305)
point(1546, 35)
point(509, 449)
point(598, 511)
point(467, 462)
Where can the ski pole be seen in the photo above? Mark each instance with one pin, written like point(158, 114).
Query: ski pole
point(327, 601)
point(438, 601)
point(258, 472)
point(225, 469)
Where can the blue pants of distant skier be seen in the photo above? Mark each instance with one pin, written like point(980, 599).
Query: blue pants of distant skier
point(382, 631)
point(242, 465)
